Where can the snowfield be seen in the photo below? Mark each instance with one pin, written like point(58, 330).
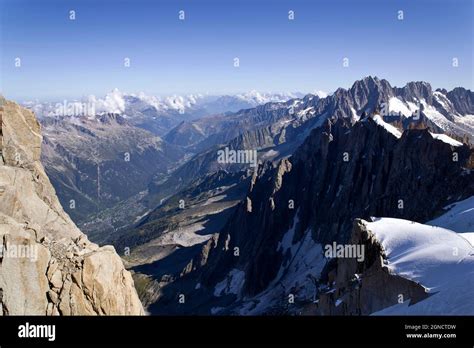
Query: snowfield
point(439, 259)
point(397, 106)
point(459, 217)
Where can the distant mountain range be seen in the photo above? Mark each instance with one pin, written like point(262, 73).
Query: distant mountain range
point(277, 129)
point(157, 114)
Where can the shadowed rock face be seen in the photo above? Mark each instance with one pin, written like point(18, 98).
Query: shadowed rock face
point(462, 99)
point(48, 267)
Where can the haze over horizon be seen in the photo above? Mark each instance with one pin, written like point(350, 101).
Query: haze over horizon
point(63, 58)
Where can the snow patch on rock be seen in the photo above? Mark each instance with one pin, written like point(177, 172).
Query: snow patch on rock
point(446, 139)
point(388, 127)
point(396, 105)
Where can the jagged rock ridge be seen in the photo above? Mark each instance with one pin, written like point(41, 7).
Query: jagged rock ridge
point(329, 192)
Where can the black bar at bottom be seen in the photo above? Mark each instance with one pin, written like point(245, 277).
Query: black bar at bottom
point(136, 331)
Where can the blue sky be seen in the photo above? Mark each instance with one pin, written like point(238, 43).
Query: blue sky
point(62, 58)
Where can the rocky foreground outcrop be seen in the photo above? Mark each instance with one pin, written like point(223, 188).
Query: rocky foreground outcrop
point(47, 265)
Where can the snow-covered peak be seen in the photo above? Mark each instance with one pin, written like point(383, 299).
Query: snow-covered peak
point(320, 94)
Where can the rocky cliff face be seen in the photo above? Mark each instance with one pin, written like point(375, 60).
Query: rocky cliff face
point(47, 266)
